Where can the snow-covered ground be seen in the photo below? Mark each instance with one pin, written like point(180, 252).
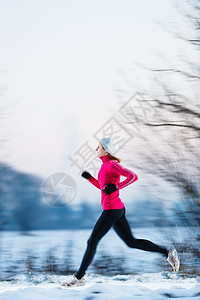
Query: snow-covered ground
point(33, 265)
point(148, 286)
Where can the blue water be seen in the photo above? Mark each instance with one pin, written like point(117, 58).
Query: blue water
point(60, 252)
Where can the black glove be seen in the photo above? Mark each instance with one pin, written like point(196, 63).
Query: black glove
point(110, 188)
point(86, 175)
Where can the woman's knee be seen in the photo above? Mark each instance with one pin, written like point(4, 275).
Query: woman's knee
point(92, 243)
point(131, 242)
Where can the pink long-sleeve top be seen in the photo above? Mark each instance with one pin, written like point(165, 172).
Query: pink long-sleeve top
point(110, 172)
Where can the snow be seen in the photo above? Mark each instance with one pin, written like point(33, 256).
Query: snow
point(147, 286)
point(117, 272)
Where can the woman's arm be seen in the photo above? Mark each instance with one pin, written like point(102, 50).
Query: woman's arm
point(90, 178)
point(131, 176)
point(94, 181)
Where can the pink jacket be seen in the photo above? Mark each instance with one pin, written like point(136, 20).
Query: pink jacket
point(110, 172)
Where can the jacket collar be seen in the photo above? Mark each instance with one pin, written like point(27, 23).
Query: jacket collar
point(105, 158)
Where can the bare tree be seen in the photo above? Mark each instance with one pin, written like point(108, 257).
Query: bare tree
point(170, 124)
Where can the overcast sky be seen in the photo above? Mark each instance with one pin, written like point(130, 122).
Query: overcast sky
point(61, 64)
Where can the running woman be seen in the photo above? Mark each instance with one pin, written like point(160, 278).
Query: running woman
point(113, 214)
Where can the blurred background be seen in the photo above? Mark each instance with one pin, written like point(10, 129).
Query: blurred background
point(73, 72)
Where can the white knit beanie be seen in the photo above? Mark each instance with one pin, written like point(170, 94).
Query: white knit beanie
point(109, 145)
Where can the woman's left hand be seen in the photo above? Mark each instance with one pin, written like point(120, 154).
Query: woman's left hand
point(109, 189)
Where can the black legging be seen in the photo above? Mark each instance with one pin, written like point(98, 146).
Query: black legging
point(117, 219)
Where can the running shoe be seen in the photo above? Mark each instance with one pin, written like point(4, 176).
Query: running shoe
point(73, 282)
point(173, 260)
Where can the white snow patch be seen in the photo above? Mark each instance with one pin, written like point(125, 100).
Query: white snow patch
point(151, 286)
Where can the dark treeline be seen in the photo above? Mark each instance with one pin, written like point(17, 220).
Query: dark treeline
point(23, 208)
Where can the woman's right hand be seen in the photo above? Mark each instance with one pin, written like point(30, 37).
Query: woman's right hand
point(86, 175)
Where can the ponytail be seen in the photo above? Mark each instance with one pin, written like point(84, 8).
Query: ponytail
point(114, 157)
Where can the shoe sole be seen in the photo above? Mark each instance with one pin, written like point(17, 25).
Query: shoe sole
point(176, 264)
point(64, 285)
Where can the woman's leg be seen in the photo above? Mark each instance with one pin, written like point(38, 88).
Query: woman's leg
point(122, 228)
point(104, 223)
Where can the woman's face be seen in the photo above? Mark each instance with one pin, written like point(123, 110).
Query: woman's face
point(101, 151)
